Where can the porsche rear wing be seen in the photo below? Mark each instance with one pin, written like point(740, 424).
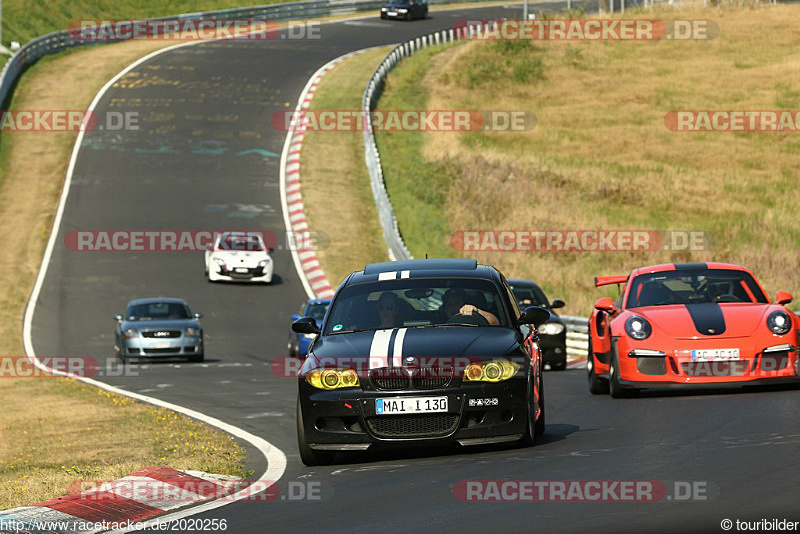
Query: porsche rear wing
point(608, 280)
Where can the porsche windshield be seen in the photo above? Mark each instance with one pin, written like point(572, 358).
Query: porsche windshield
point(692, 287)
point(417, 303)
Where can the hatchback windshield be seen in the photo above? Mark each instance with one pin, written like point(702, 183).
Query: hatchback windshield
point(694, 286)
point(416, 303)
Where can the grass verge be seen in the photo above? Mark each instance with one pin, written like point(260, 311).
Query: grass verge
point(56, 431)
point(335, 183)
point(601, 156)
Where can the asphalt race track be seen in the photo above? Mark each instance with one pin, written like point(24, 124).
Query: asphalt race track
point(206, 158)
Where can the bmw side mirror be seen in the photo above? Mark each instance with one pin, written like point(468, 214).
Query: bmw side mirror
point(305, 325)
point(783, 297)
point(534, 315)
point(118, 318)
point(557, 304)
point(605, 304)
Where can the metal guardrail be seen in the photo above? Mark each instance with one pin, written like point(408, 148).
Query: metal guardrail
point(577, 335)
point(391, 233)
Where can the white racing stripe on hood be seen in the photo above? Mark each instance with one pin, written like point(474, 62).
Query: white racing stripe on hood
point(379, 349)
point(397, 351)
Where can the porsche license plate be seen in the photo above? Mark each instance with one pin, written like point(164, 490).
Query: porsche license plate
point(242, 270)
point(410, 405)
point(715, 355)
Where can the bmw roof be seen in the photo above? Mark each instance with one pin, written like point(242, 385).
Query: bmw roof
point(439, 267)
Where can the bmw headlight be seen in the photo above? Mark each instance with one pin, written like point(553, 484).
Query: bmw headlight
point(638, 328)
point(493, 371)
point(779, 322)
point(333, 378)
point(130, 333)
point(550, 329)
point(192, 332)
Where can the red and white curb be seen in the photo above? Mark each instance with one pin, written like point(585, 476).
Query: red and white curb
point(576, 363)
point(132, 499)
point(308, 267)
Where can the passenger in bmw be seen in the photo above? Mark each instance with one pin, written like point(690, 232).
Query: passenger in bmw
point(454, 302)
point(389, 310)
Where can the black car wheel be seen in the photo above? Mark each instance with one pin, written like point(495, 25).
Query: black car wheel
point(533, 427)
point(308, 455)
point(597, 386)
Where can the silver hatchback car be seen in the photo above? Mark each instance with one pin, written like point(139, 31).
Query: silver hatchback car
point(159, 328)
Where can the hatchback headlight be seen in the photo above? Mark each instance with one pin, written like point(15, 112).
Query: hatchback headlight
point(638, 328)
point(779, 322)
point(333, 378)
point(550, 329)
point(493, 371)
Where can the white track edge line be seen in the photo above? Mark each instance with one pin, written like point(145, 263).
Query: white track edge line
point(276, 459)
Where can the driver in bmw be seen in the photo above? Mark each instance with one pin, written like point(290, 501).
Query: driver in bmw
point(454, 302)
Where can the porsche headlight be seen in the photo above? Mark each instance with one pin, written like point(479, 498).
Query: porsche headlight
point(550, 329)
point(779, 322)
point(192, 332)
point(263, 263)
point(130, 333)
point(638, 328)
point(333, 378)
point(220, 262)
point(493, 371)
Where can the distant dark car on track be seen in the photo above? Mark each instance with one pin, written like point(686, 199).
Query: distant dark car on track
point(420, 351)
point(159, 328)
point(405, 9)
point(552, 334)
point(298, 343)
point(679, 325)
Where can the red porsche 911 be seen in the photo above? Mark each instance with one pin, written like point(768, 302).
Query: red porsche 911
point(692, 323)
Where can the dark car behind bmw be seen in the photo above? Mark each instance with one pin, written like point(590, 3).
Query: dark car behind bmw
point(552, 334)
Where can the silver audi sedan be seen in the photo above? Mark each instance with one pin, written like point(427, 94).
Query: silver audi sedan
point(159, 328)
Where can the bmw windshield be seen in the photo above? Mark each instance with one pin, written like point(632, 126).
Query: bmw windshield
point(417, 303)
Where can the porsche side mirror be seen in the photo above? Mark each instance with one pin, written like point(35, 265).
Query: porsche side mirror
point(557, 304)
point(305, 325)
point(534, 315)
point(605, 304)
point(783, 297)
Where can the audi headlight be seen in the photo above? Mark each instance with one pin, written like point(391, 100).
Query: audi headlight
point(130, 333)
point(550, 329)
point(638, 328)
point(333, 378)
point(779, 322)
point(192, 332)
point(494, 371)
